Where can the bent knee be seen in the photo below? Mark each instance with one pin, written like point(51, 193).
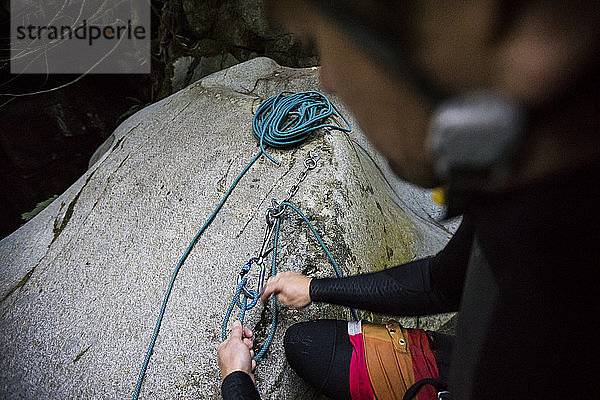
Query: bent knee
point(292, 341)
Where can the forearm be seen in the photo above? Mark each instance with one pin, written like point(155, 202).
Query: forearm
point(239, 386)
point(402, 290)
point(427, 286)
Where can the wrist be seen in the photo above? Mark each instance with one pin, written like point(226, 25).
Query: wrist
point(239, 385)
point(225, 374)
point(311, 289)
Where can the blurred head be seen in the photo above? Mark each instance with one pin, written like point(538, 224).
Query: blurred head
point(391, 62)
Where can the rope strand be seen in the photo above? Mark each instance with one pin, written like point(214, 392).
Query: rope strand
point(283, 121)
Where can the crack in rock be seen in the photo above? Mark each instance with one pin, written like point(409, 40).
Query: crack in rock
point(59, 227)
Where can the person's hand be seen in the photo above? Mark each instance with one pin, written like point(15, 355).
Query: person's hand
point(235, 353)
point(290, 288)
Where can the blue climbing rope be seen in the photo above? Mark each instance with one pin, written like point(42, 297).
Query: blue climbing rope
point(289, 118)
point(282, 121)
point(338, 271)
point(243, 306)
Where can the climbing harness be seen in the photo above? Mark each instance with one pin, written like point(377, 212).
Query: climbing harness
point(282, 121)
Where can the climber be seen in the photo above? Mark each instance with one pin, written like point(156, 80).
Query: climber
point(498, 102)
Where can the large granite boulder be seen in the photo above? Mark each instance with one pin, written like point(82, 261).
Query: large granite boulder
point(82, 282)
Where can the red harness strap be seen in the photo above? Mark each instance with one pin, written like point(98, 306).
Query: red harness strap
point(387, 360)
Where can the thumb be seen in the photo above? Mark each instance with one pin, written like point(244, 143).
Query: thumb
point(271, 287)
point(236, 330)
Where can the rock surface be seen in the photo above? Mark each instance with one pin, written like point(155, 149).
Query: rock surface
point(82, 282)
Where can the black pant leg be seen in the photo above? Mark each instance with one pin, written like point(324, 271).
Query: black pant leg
point(442, 344)
point(320, 352)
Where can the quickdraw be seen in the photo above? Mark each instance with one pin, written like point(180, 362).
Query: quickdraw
point(273, 218)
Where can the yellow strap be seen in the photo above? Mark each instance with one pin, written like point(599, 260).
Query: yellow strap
point(439, 195)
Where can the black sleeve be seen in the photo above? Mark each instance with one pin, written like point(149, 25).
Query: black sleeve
point(428, 286)
point(239, 386)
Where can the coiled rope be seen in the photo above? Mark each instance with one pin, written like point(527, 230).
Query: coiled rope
point(282, 121)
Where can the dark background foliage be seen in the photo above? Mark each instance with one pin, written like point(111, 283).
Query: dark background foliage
point(47, 139)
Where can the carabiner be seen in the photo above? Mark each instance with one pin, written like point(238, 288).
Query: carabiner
point(261, 277)
point(274, 212)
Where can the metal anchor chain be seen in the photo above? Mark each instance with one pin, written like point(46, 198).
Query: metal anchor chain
point(310, 163)
point(273, 213)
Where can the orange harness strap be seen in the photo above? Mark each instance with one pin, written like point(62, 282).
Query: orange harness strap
point(388, 359)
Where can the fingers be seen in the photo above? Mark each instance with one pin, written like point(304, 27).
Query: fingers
point(252, 354)
point(247, 332)
point(271, 287)
point(240, 332)
point(253, 364)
